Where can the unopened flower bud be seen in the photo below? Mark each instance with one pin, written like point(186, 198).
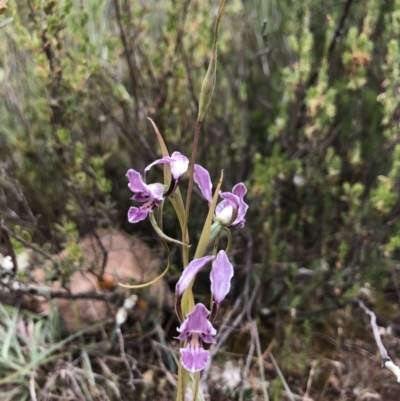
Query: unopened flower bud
point(207, 88)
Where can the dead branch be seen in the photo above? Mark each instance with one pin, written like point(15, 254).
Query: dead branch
point(386, 361)
point(19, 288)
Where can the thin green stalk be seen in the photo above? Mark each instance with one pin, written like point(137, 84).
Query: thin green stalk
point(205, 98)
point(191, 180)
point(183, 376)
point(196, 385)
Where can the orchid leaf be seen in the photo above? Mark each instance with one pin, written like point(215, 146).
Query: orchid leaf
point(164, 151)
point(177, 203)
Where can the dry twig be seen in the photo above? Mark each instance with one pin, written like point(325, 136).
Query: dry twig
point(386, 361)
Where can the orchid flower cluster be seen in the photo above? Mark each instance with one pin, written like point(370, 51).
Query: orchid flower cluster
point(196, 326)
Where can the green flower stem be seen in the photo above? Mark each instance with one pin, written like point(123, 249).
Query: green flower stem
point(191, 180)
point(196, 385)
point(183, 378)
point(229, 245)
point(187, 299)
point(206, 93)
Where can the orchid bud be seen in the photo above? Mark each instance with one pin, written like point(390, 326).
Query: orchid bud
point(207, 88)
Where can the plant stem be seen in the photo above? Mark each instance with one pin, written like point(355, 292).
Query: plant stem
point(191, 178)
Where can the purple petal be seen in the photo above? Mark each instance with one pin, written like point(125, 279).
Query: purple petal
point(240, 190)
point(164, 160)
point(136, 183)
point(196, 322)
point(194, 359)
point(190, 272)
point(136, 214)
point(179, 165)
point(220, 276)
point(224, 211)
point(143, 192)
point(154, 191)
point(203, 180)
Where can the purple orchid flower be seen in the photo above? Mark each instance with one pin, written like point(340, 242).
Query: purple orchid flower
point(232, 209)
point(151, 195)
point(197, 327)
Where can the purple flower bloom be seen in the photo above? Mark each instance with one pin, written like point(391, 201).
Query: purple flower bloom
point(197, 328)
point(232, 209)
point(151, 195)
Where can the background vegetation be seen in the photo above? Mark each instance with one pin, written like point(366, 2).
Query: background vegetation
point(305, 112)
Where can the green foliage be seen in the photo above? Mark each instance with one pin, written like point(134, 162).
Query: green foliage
point(327, 182)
